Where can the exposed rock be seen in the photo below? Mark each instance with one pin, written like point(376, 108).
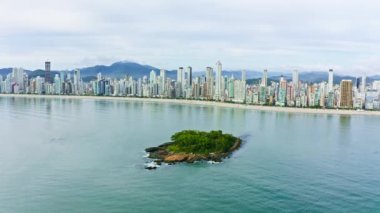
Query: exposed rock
point(152, 149)
point(150, 167)
point(176, 158)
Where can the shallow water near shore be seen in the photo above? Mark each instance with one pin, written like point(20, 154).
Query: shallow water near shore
point(73, 155)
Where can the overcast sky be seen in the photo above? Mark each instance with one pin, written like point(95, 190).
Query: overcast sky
point(274, 34)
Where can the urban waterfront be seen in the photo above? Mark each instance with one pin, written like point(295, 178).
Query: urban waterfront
point(324, 94)
point(82, 155)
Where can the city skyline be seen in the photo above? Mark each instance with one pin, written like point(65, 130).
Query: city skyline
point(212, 86)
point(342, 35)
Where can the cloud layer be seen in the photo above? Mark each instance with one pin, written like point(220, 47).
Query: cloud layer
point(243, 34)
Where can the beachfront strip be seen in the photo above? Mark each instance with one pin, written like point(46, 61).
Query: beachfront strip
point(210, 86)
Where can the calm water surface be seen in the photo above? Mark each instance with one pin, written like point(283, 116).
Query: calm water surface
point(61, 155)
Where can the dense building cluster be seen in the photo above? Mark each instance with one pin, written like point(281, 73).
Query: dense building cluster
point(210, 86)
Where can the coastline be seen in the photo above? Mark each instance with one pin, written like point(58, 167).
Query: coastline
point(206, 103)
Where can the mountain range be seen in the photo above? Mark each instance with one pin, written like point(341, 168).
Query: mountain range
point(136, 70)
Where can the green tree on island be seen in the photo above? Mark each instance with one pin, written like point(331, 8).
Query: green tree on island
point(199, 142)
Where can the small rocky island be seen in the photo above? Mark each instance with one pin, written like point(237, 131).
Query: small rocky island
point(191, 145)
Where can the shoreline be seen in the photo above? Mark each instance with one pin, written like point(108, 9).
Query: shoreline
point(206, 103)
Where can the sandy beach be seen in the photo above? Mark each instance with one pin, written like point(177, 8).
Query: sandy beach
point(207, 103)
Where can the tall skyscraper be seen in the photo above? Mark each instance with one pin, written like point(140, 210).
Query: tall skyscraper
point(331, 80)
point(281, 99)
point(77, 81)
point(180, 82)
point(244, 75)
point(209, 82)
point(244, 85)
point(264, 79)
point(47, 71)
point(152, 78)
point(295, 78)
point(163, 81)
point(57, 85)
point(363, 84)
point(180, 75)
point(18, 78)
point(218, 81)
point(346, 94)
point(189, 76)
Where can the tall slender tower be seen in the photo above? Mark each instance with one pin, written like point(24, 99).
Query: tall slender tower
point(363, 84)
point(346, 94)
point(209, 82)
point(180, 75)
point(331, 80)
point(163, 81)
point(47, 71)
point(189, 76)
point(295, 78)
point(244, 75)
point(244, 84)
point(264, 80)
point(77, 81)
point(218, 81)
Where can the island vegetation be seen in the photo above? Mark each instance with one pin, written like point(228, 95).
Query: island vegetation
point(192, 145)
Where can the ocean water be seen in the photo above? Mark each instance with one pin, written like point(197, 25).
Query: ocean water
point(66, 155)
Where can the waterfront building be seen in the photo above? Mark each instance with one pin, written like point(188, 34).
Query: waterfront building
point(189, 76)
point(295, 79)
point(77, 82)
point(163, 82)
point(218, 81)
point(47, 71)
point(331, 80)
point(363, 84)
point(209, 91)
point(346, 94)
point(264, 79)
point(57, 85)
point(18, 79)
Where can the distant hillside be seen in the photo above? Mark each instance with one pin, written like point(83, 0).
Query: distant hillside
point(5, 71)
point(121, 69)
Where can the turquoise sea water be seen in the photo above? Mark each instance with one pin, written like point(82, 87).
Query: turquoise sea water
point(60, 155)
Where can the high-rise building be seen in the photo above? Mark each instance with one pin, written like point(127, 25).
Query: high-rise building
point(264, 80)
point(346, 94)
point(295, 78)
point(152, 77)
point(282, 92)
point(244, 76)
point(180, 75)
point(77, 81)
point(244, 85)
point(163, 81)
point(363, 84)
point(47, 71)
point(57, 85)
point(218, 81)
point(209, 82)
point(18, 78)
point(189, 76)
point(331, 80)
